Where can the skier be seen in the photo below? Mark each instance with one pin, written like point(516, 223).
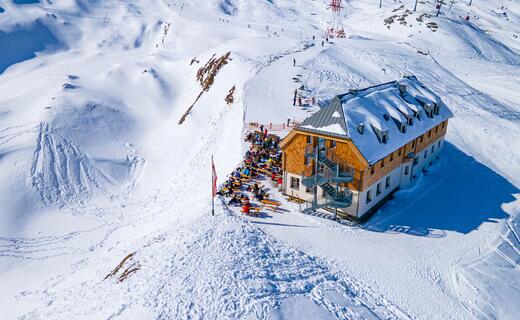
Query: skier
point(322, 43)
point(299, 101)
point(261, 128)
point(294, 62)
point(295, 94)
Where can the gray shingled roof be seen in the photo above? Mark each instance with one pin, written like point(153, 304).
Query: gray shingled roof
point(328, 117)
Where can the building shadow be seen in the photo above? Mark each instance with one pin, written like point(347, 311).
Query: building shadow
point(458, 194)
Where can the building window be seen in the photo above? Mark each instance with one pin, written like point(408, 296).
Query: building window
point(406, 170)
point(387, 183)
point(369, 196)
point(433, 149)
point(429, 134)
point(413, 144)
point(425, 153)
point(383, 162)
point(399, 152)
point(378, 189)
point(436, 129)
point(443, 124)
point(332, 143)
point(439, 144)
point(392, 156)
point(421, 139)
point(372, 170)
point(295, 183)
point(306, 160)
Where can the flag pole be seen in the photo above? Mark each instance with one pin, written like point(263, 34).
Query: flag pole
point(212, 187)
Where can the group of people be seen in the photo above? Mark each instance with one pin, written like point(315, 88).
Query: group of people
point(263, 157)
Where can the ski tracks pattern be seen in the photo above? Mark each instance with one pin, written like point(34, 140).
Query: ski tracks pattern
point(60, 172)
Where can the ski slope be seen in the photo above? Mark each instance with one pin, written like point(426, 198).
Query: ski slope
point(94, 166)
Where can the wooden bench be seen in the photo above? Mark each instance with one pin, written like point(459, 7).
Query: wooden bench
point(232, 189)
point(295, 200)
point(264, 171)
point(270, 202)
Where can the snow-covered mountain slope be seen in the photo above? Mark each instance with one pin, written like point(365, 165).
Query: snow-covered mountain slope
point(94, 165)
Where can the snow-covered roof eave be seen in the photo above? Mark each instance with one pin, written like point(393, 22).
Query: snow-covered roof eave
point(323, 132)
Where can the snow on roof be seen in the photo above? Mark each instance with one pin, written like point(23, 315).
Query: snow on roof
point(332, 128)
point(384, 110)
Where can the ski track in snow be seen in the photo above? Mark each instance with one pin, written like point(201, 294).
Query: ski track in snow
point(60, 172)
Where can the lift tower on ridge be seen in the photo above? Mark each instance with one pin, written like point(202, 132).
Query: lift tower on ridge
point(335, 28)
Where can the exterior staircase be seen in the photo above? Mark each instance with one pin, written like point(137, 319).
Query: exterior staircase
point(330, 175)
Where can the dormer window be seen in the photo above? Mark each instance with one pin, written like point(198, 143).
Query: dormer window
point(436, 109)
point(410, 121)
point(361, 128)
point(402, 128)
point(384, 138)
point(386, 116)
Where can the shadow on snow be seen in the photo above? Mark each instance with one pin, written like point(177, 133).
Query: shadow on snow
point(23, 43)
point(458, 195)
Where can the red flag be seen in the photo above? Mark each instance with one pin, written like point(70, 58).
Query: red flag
point(214, 178)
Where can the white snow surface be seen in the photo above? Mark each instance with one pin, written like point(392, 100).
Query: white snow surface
point(94, 165)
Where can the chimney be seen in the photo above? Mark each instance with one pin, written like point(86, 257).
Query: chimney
point(361, 127)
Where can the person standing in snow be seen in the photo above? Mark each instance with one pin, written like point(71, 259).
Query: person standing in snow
point(295, 94)
point(322, 43)
point(294, 62)
point(261, 128)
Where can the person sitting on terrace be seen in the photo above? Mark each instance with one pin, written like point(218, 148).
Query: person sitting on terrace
point(234, 201)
